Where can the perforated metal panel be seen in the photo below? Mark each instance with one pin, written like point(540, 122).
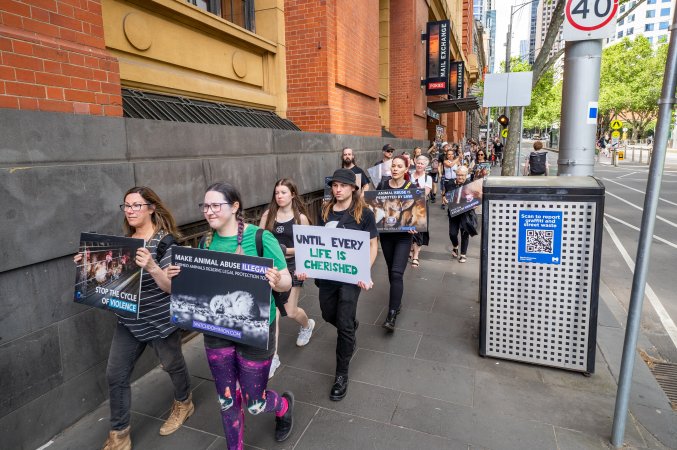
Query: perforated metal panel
point(540, 313)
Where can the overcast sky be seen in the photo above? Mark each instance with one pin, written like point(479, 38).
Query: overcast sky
point(520, 27)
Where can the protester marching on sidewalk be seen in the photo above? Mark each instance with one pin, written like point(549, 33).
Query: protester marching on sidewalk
point(421, 180)
point(286, 209)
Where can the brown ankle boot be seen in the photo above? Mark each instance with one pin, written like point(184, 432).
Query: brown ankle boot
point(181, 411)
point(118, 440)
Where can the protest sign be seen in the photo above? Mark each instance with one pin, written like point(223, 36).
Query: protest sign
point(398, 210)
point(107, 277)
point(377, 172)
point(464, 198)
point(222, 294)
point(335, 254)
point(481, 170)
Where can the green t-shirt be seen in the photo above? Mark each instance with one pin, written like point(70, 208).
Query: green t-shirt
point(271, 249)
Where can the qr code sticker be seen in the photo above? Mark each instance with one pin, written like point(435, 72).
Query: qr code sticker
point(540, 241)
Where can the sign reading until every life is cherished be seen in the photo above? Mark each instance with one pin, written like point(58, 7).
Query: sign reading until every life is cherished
point(589, 19)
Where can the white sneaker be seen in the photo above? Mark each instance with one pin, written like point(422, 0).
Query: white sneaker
point(275, 363)
point(305, 333)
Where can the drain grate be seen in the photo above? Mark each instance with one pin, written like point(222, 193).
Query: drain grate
point(666, 375)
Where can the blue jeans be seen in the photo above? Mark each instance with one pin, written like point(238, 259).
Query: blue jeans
point(125, 350)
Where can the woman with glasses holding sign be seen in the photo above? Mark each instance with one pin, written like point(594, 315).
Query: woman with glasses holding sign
point(286, 209)
point(396, 246)
point(241, 371)
point(146, 217)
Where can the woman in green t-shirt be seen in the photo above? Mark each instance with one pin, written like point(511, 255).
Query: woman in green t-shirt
point(241, 371)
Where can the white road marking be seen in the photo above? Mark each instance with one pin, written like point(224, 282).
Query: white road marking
point(629, 225)
point(637, 190)
point(663, 315)
point(642, 209)
point(629, 173)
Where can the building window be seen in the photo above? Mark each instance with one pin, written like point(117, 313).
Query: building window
point(663, 26)
point(620, 34)
point(650, 2)
point(650, 39)
point(648, 27)
point(622, 8)
point(665, 12)
point(650, 13)
point(662, 38)
point(239, 12)
point(631, 18)
point(666, 1)
point(621, 22)
point(630, 31)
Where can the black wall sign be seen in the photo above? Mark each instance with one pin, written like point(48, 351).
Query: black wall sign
point(456, 81)
point(437, 58)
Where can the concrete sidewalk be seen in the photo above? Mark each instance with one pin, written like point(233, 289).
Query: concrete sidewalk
point(423, 387)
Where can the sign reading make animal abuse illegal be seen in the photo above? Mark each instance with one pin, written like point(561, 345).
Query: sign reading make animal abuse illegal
point(107, 277)
point(336, 254)
point(222, 294)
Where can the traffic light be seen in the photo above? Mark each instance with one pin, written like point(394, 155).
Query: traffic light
point(503, 120)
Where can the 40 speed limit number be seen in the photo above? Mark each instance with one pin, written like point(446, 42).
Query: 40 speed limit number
point(589, 19)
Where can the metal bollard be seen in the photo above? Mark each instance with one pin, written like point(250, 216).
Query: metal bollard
point(641, 150)
point(633, 154)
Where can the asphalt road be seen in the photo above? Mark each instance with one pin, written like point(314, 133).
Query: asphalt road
point(625, 193)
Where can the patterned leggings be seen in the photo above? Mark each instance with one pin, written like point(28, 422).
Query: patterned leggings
point(230, 369)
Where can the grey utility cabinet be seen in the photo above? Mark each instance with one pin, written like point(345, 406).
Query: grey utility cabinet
point(539, 280)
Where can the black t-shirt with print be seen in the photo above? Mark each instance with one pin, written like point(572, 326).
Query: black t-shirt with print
point(364, 177)
point(368, 222)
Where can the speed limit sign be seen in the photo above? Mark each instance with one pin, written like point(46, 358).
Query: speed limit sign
point(589, 19)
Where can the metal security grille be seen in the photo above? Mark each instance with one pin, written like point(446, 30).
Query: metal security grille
point(540, 313)
point(145, 105)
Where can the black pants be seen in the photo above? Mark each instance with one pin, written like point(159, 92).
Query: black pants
point(125, 350)
point(396, 248)
point(338, 302)
point(454, 228)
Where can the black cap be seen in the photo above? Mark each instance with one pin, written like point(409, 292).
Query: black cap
point(388, 148)
point(345, 176)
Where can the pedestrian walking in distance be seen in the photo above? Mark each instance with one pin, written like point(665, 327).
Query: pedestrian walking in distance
point(464, 223)
point(421, 180)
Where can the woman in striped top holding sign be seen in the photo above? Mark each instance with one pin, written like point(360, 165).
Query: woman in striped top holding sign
point(146, 217)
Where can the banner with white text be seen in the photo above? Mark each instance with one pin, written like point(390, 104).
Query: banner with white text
point(332, 253)
point(398, 210)
point(222, 294)
point(107, 277)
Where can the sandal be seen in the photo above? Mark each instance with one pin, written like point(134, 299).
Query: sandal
point(414, 262)
point(462, 259)
point(454, 252)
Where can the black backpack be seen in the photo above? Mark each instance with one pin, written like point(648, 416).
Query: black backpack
point(537, 163)
point(162, 247)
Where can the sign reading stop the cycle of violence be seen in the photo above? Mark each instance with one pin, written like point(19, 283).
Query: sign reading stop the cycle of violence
point(589, 19)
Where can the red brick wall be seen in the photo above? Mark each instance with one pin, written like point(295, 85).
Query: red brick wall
point(407, 99)
point(53, 58)
point(332, 66)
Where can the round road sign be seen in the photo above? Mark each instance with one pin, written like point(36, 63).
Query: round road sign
point(616, 124)
point(615, 134)
point(589, 19)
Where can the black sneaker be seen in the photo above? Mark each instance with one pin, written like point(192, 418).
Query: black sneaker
point(284, 424)
point(339, 389)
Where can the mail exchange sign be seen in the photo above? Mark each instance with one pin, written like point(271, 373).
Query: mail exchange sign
point(437, 58)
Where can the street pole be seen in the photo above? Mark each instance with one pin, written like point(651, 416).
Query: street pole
point(488, 131)
point(582, 63)
point(507, 52)
point(519, 142)
point(653, 186)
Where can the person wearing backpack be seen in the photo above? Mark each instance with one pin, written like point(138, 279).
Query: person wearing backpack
point(241, 371)
point(396, 246)
point(537, 163)
point(146, 217)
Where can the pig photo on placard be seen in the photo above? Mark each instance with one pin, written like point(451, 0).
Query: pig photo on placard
point(107, 277)
point(222, 294)
point(398, 210)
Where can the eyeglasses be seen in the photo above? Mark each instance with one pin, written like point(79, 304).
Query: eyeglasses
point(216, 207)
point(388, 151)
point(133, 207)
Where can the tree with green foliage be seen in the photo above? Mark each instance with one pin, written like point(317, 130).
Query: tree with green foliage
point(630, 83)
